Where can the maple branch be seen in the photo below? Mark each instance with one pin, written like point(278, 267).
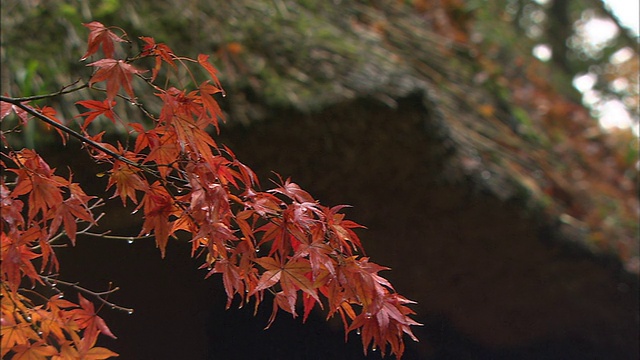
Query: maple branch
point(53, 282)
point(69, 131)
point(62, 91)
point(83, 138)
point(105, 235)
point(83, 231)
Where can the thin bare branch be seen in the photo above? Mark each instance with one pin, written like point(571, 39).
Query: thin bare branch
point(53, 282)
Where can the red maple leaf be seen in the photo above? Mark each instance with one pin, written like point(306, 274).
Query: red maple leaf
point(50, 113)
point(100, 35)
point(98, 108)
point(127, 181)
point(158, 206)
point(203, 61)
point(117, 73)
point(6, 109)
point(161, 51)
point(292, 276)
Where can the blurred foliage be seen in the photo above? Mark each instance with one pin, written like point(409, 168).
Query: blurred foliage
point(590, 175)
point(527, 120)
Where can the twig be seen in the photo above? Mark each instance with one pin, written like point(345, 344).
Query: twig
point(117, 237)
point(58, 93)
point(52, 282)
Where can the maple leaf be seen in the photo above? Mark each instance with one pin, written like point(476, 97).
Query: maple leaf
point(158, 206)
point(386, 325)
point(51, 323)
point(231, 278)
point(347, 239)
point(87, 319)
point(362, 282)
point(292, 277)
point(127, 181)
point(68, 212)
point(210, 104)
point(144, 138)
point(35, 351)
point(11, 208)
point(191, 135)
point(37, 179)
point(292, 191)
point(203, 60)
point(50, 113)
point(14, 334)
point(6, 109)
point(161, 51)
point(16, 260)
point(100, 35)
point(98, 108)
point(318, 252)
point(98, 353)
point(164, 150)
point(117, 73)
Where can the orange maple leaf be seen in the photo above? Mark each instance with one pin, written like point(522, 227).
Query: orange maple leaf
point(87, 319)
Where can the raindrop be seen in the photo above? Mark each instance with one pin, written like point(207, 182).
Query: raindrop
point(61, 295)
point(134, 211)
point(367, 315)
point(113, 307)
point(130, 312)
point(147, 234)
point(358, 332)
point(40, 333)
point(28, 318)
point(130, 241)
point(374, 349)
point(54, 284)
point(257, 250)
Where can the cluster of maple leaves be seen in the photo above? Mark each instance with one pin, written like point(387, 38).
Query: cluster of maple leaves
point(281, 241)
